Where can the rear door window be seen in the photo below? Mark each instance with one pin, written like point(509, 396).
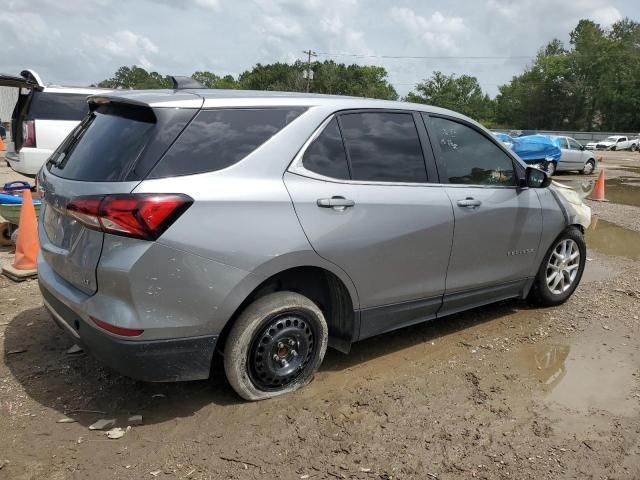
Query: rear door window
point(219, 138)
point(326, 155)
point(57, 106)
point(562, 143)
point(383, 147)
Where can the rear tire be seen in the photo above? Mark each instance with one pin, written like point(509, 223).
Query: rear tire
point(275, 346)
point(560, 272)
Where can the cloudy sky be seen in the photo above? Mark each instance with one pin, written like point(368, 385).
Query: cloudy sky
point(83, 41)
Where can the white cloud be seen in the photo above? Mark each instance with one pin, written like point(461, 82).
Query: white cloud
point(558, 13)
point(280, 26)
point(25, 26)
point(437, 32)
point(606, 15)
point(124, 46)
point(211, 5)
point(208, 4)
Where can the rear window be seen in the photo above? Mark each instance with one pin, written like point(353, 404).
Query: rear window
point(383, 147)
point(104, 146)
point(219, 138)
point(57, 106)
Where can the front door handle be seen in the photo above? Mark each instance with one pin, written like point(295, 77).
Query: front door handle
point(469, 202)
point(337, 203)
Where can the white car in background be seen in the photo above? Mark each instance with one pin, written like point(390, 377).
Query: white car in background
point(617, 142)
point(42, 118)
point(574, 156)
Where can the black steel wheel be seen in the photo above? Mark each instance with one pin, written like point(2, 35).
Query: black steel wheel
point(275, 346)
point(281, 351)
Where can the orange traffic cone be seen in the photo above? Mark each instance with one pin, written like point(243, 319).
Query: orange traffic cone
point(1, 144)
point(24, 265)
point(598, 191)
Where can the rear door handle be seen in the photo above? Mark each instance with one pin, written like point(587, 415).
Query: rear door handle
point(469, 202)
point(337, 203)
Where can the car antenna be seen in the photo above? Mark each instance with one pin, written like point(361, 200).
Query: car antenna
point(180, 83)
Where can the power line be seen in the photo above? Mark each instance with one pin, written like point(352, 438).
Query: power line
point(427, 57)
point(465, 57)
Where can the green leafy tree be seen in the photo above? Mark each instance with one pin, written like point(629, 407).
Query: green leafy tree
point(592, 85)
point(462, 94)
point(329, 77)
point(136, 78)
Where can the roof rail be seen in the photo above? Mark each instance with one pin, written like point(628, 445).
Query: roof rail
point(180, 83)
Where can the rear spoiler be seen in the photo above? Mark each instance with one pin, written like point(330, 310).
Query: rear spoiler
point(27, 79)
point(148, 99)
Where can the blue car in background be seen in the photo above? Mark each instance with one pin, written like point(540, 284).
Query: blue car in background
point(541, 151)
point(504, 138)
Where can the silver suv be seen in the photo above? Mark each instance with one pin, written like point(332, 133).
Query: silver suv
point(270, 225)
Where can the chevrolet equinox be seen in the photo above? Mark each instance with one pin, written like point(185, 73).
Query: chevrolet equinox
point(269, 225)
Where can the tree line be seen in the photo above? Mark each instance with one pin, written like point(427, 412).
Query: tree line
point(591, 84)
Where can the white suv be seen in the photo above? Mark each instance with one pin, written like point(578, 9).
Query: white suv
point(42, 118)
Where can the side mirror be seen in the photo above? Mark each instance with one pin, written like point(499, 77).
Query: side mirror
point(581, 147)
point(537, 178)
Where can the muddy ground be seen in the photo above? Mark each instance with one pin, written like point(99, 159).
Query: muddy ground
point(505, 391)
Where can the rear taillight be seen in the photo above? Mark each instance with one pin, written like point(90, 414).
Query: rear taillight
point(145, 216)
point(29, 133)
point(123, 332)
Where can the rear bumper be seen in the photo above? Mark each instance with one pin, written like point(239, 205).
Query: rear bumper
point(28, 160)
point(166, 360)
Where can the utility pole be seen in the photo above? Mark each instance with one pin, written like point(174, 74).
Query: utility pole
point(308, 73)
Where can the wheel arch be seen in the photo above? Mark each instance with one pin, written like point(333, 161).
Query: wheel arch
point(324, 283)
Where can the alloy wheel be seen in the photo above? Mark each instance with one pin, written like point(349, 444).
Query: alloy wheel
point(563, 266)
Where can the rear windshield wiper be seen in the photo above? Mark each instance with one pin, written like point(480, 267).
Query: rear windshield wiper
point(57, 158)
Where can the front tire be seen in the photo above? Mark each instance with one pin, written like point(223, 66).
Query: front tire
point(561, 269)
point(275, 346)
point(589, 167)
point(551, 168)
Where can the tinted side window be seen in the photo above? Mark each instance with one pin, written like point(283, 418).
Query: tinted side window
point(216, 139)
point(383, 147)
point(562, 143)
point(57, 106)
point(573, 145)
point(468, 157)
point(326, 155)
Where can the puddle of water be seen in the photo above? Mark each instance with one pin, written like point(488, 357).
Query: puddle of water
point(590, 375)
point(580, 185)
point(624, 190)
point(630, 168)
point(611, 239)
